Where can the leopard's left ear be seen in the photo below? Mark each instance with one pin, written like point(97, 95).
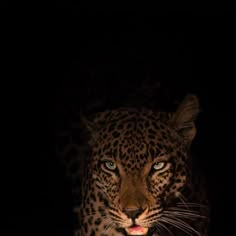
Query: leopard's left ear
point(185, 115)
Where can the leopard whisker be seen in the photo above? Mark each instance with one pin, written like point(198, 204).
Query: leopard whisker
point(191, 204)
point(94, 213)
point(157, 229)
point(164, 227)
point(173, 223)
point(182, 199)
point(176, 222)
point(184, 214)
point(148, 222)
point(107, 228)
point(182, 210)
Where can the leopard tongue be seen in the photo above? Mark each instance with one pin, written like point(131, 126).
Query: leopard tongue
point(136, 230)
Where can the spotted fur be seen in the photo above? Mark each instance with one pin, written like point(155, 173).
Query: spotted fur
point(140, 173)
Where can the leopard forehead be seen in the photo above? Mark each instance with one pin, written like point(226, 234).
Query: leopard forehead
point(133, 136)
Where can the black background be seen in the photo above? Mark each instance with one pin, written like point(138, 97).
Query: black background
point(48, 60)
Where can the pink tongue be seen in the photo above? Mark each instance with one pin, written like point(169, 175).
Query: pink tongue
point(136, 227)
point(136, 230)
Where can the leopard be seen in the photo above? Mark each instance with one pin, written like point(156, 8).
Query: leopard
point(140, 177)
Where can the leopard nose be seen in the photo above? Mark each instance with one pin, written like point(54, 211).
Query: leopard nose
point(133, 213)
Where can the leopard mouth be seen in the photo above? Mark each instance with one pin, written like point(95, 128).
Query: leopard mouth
point(136, 230)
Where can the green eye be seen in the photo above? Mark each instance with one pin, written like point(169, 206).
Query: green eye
point(159, 165)
point(110, 165)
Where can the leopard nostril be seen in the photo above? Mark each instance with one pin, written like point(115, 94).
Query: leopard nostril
point(133, 213)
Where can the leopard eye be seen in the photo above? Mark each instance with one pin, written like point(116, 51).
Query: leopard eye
point(160, 165)
point(110, 165)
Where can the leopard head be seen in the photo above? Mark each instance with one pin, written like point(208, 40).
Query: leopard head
point(140, 165)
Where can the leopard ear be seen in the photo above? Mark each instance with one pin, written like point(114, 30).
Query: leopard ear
point(88, 128)
point(90, 125)
point(86, 123)
point(185, 116)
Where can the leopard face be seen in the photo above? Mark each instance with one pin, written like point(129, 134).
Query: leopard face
point(138, 172)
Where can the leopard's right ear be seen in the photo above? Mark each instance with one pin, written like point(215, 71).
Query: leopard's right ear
point(89, 127)
point(86, 123)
